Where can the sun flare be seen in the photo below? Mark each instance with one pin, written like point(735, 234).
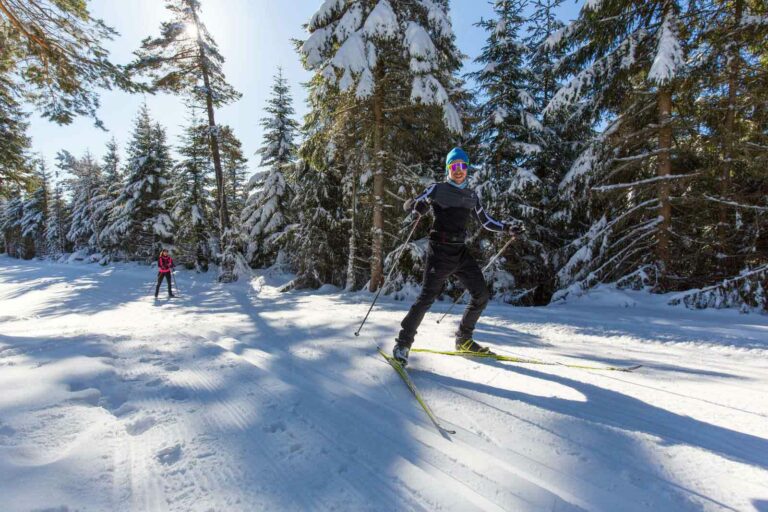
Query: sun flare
point(191, 31)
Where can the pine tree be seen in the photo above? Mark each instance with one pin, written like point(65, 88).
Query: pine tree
point(186, 60)
point(191, 208)
point(56, 226)
point(53, 56)
point(627, 61)
point(562, 137)
point(720, 224)
point(84, 186)
point(508, 131)
point(107, 196)
point(34, 222)
point(390, 67)
point(511, 137)
point(16, 245)
point(729, 96)
point(265, 215)
point(317, 204)
point(233, 162)
point(14, 141)
point(140, 222)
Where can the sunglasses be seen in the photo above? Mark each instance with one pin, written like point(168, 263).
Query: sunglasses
point(456, 166)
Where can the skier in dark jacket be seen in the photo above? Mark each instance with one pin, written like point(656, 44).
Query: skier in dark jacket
point(164, 266)
point(452, 205)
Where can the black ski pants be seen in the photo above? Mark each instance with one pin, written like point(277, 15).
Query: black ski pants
point(444, 260)
point(160, 276)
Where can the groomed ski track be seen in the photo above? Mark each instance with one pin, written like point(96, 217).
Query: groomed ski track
point(237, 397)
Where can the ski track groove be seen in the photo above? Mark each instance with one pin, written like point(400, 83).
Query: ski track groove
point(212, 420)
point(427, 437)
point(639, 494)
point(340, 460)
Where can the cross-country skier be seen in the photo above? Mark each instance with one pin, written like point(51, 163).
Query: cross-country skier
point(164, 266)
point(452, 204)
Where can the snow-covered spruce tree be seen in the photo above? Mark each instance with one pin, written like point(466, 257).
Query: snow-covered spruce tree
point(16, 244)
point(106, 198)
point(508, 129)
point(730, 98)
point(234, 163)
point(33, 223)
point(186, 60)
point(394, 64)
point(56, 227)
point(725, 237)
point(625, 61)
point(140, 222)
point(316, 241)
point(84, 185)
point(190, 206)
point(14, 142)
point(511, 137)
point(266, 213)
point(323, 153)
point(562, 137)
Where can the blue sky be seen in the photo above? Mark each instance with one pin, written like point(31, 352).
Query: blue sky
point(255, 38)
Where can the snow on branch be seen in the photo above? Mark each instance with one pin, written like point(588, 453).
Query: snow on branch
point(324, 12)
point(351, 56)
point(635, 184)
point(382, 21)
point(315, 45)
point(420, 45)
point(748, 290)
point(592, 5)
point(556, 37)
point(735, 204)
point(526, 148)
point(669, 54)
point(583, 165)
point(600, 70)
point(438, 17)
point(349, 23)
point(754, 20)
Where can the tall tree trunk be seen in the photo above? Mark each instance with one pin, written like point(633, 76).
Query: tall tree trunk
point(729, 135)
point(227, 264)
point(377, 256)
point(663, 170)
point(350, 284)
point(213, 137)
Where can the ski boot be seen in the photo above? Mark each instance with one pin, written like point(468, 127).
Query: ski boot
point(400, 352)
point(470, 345)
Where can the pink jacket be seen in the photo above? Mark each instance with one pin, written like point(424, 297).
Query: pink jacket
point(164, 263)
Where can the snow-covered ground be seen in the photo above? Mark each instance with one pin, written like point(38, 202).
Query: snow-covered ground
point(237, 397)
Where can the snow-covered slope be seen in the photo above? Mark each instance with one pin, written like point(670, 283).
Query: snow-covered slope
point(236, 397)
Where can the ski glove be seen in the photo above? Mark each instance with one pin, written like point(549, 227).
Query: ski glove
point(513, 227)
point(420, 207)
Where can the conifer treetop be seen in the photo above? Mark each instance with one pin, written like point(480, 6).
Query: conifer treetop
point(175, 61)
point(346, 40)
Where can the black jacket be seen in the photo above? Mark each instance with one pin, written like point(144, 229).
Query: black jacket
point(452, 207)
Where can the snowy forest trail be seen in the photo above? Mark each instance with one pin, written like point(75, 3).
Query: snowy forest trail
point(237, 397)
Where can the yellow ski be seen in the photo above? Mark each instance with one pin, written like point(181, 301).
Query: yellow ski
point(408, 382)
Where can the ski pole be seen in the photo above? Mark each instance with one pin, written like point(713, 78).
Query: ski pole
point(511, 239)
point(173, 275)
point(386, 281)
